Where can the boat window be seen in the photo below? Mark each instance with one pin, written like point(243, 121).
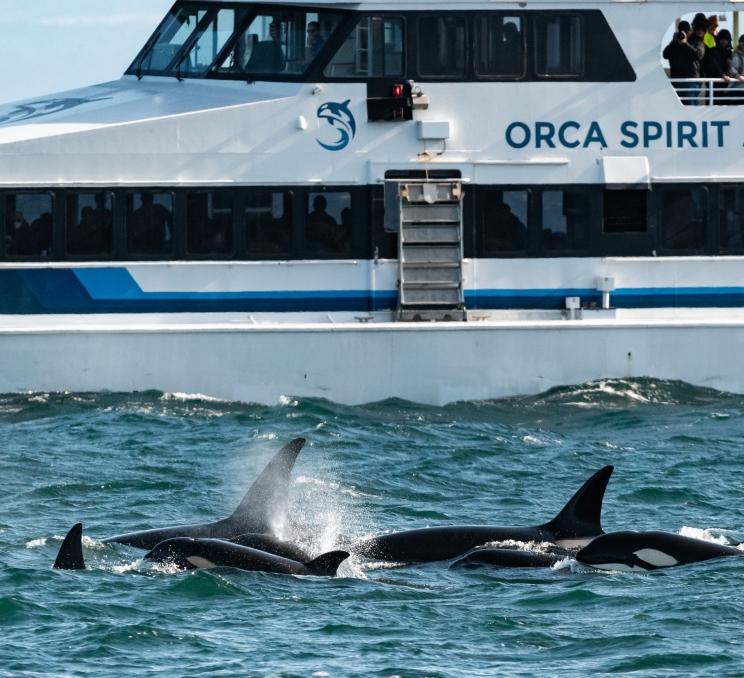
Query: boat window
point(499, 49)
point(283, 42)
point(559, 45)
point(442, 46)
point(90, 223)
point(625, 211)
point(328, 223)
point(209, 44)
point(209, 217)
point(268, 222)
point(731, 207)
point(565, 219)
point(373, 49)
point(683, 218)
point(149, 223)
point(504, 220)
point(177, 28)
point(29, 224)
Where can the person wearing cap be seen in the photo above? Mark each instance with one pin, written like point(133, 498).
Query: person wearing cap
point(684, 62)
point(717, 64)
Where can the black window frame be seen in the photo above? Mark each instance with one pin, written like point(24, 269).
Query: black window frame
point(64, 198)
point(57, 232)
point(708, 226)
point(342, 33)
point(480, 234)
point(571, 77)
point(414, 42)
point(228, 255)
point(124, 223)
point(475, 46)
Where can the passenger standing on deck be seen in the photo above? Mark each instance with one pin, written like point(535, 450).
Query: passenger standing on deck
point(717, 64)
point(682, 59)
point(736, 73)
point(710, 36)
point(697, 42)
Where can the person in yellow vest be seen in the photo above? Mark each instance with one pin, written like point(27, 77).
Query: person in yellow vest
point(710, 36)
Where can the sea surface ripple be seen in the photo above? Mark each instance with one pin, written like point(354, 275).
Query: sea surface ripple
point(121, 462)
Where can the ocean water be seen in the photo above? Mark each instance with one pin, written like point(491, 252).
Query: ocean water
point(120, 462)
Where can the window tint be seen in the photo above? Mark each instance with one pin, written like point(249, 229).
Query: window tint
point(442, 46)
point(683, 218)
point(731, 208)
point(29, 224)
point(559, 45)
point(499, 48)
point(90, 223)
point(565, 219)
point(209, 222)
point(625, 211)
point(176, 30)
point(328, 223)
point(373, 49)
point(268, 222)
point(283, 42)
point(149, 223)
point(504, 219)
point(205, 50)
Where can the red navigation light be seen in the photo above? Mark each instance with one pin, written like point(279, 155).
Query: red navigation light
point(397, 90)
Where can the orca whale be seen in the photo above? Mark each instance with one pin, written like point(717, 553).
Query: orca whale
point(644, 551)
point(578, 522)
point(270, 544)
point(507, 557)
point(189, 553)
point(261, 508)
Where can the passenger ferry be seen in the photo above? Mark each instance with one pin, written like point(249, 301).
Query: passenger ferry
point(436, 201)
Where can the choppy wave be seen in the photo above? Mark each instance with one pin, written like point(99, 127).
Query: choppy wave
point(120, 462)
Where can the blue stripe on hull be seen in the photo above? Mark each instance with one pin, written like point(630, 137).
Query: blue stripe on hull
point(114, 290)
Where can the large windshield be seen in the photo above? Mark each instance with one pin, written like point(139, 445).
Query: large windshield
point(239, 40)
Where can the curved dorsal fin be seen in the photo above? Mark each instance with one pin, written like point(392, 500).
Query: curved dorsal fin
point(327, 564)
point(70, 556)
point(582, 515)
point(264, 506)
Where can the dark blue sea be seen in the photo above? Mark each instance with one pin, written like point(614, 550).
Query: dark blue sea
point(120, 462)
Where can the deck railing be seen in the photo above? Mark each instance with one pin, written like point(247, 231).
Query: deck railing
point(709, 91)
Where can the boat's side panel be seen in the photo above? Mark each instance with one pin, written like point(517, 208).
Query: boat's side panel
point(362, 363)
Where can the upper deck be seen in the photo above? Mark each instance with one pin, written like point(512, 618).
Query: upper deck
point(202, 105)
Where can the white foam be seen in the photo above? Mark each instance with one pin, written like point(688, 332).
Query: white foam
point(287, 401)
point(706, 534)
point(191, 397)
point(36, 543)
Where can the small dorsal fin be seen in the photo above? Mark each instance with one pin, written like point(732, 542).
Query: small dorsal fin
point(582, 515)
point(264, 506)
point(327, 564)
point(70, 556)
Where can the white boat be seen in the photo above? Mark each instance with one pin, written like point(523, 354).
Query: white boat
point(357, 201)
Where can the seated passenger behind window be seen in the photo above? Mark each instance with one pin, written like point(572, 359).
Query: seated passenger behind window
point(315, 41)
point(18, 239)
point(322, 231)
point(149, 227)
point(506, 233)
point(512, 53)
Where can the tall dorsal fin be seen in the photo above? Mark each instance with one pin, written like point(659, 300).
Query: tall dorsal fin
point(70, 556)
point(582, 515)
point(264, 506)
point(327, 564)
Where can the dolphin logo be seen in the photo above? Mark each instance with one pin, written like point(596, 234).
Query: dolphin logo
point(341, 119)
point(39, 109)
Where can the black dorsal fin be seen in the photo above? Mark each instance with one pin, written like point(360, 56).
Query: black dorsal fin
point(582, 515)
point(70, 556)
point(264, 506)
point(327, 564)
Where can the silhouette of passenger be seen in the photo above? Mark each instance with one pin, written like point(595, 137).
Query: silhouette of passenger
point(149, 227)
point(322, 230)
point(315, 41)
